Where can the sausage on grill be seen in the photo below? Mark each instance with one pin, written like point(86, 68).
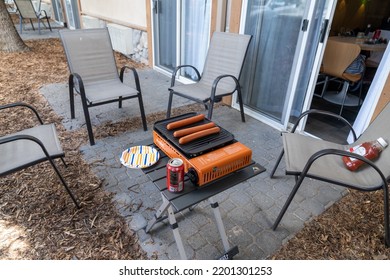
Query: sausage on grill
point(186, 131)
point(186, 121)
point(193, 136)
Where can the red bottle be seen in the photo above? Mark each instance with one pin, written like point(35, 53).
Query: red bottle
point(369, 150)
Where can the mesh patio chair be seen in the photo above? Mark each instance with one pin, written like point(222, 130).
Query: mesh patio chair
point(221, 73)
point(306, 156)
point(337, 65)
point(27, 11)
point(31, 146)
point(94, 75)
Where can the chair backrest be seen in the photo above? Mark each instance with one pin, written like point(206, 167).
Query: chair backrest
point(225, 55)
point(89, 53)
point(338, 56)
point(26, 8)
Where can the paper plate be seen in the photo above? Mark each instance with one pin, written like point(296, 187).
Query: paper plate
point(139, 157)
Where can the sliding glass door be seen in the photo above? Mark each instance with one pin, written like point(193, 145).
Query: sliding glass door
point(283, 56)
point(181, 34)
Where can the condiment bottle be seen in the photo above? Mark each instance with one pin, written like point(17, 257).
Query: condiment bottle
point(369, 150)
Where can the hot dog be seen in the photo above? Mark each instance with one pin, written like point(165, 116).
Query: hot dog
point(193, 136)
point(185, 122)
point(186, 131)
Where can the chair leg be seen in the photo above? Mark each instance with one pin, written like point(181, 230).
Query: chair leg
point(344, 91)
point(32, 25)
point(120, 102)
point(87, 120)
point(169, 104)
point(71, 103)
point(241, 104)
point(386, 214)
point(211, 107)
point(63, 161)
point(64, 183)
point(287, 203)
point(141, 107)
point(277, 163)
point(48, 23)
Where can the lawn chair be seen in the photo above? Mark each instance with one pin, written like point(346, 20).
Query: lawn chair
point(93, 73)
point(306, 156)
point(221, 73)
point(27, 11)
point(31, 146)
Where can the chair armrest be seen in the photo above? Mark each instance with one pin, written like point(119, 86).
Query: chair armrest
point(325, 152)
point(135, 73)
point(80, 82)
point(325, 113)
point(21, 104)
point(42, 12)
point(173, 79)
point(218, 79)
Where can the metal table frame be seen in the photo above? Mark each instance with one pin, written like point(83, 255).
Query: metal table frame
point(192, 195)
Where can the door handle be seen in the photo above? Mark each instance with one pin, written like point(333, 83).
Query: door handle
point(155, 6)
point(323, 31)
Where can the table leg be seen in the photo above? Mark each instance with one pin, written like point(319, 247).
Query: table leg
point(165, 206)
point(157, 215)
point(176, 233)
point(219, 222)
point(229, 252)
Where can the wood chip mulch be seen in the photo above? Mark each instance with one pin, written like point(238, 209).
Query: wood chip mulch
point(39, 221)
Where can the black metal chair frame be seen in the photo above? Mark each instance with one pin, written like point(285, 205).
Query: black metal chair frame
point(86, 105)
point(38, 142)
point(301, 175)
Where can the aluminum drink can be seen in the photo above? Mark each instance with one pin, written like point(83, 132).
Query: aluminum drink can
point(175, 175)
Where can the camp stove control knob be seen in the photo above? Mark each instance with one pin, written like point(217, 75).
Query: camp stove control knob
point(193, 175)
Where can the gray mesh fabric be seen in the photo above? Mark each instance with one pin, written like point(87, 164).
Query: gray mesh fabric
point(21, 152)
point(26, 8)
point(225, 56)
point(298, 149)
point(90, 54)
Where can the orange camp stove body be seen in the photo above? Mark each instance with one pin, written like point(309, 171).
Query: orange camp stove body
point(211, 165)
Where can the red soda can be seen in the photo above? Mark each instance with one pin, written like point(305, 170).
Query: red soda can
point(175, 175)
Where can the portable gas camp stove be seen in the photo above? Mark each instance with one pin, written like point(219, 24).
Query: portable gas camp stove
point(205, 159)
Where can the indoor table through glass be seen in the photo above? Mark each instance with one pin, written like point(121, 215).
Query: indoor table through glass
point(192, 195)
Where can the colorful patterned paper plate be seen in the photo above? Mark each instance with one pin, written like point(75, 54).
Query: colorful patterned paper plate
point(139, 157)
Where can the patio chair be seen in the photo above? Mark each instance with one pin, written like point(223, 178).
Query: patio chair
point(342, 63)
point(307, 156)
point(94, 74)
point(27, 11)
point(31, 146)
point(220, 76)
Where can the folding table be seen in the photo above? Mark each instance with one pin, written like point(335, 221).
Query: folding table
point(192, 195)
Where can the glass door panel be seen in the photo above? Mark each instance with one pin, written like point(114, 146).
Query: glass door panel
point(195, 35)
point(72, 13)
point(181, 34)
point(164, 23)
point(280, 57)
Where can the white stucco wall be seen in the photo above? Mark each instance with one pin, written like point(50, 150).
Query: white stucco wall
point(131, 12)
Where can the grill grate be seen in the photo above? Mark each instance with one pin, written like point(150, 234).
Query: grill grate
point(197, 147)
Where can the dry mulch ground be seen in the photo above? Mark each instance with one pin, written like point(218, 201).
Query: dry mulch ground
point(39, 221)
